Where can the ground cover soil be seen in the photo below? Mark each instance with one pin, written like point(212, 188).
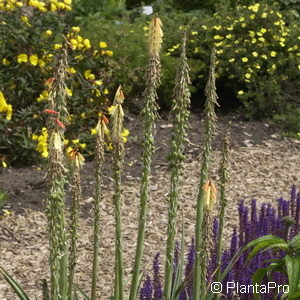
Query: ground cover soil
point(263, 165)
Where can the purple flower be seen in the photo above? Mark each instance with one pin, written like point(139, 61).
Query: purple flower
point(146, 290)
point(189, 267)
point(158, 294)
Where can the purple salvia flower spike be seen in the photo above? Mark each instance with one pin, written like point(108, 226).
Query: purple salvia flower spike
point(157, 288)
point(297, 216)
point(293, 201)
point(146, 290)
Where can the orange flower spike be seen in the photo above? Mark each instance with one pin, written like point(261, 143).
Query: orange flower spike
point(50, 111)
point(59, 123)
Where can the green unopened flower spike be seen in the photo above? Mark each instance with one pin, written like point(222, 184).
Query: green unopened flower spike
point(149, 113)
point(56, 178)
point(180, 114)
point(99, 154)
point(76, 162)
point(117, 118)
point(223, 172)
point(202, 215)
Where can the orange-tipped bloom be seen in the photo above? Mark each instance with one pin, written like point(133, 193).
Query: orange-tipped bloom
point(59, 123)
point(50, 111)
point(49, 81)
point(210, 194)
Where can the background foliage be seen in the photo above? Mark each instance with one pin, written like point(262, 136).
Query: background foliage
point(257, 48)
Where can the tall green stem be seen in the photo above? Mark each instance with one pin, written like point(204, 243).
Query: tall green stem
point(117, 116)
point(199, 291)
point(76, 158)
point(99, 163)
point(223, 201)
point(180, 111)
point(56, 178)
point(149, 115)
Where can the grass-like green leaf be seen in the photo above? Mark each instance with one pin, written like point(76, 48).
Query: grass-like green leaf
point(82, 293)
point(14, 285)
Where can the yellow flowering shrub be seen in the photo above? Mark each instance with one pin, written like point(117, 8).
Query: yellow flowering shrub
point(258, 54)
point(31, 38)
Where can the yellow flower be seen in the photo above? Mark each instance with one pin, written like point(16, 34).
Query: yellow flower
point(57, 46)
point(82, 115)
point(217, 27)
point(231, 60)
point(252, 17)
point(22, 58)
point(72, 70)
point(66, 142)
point(251, 33)
point(49, 32)
point(247, 75)
point(69, 92)
point(33, 59)
point(102, 45)
point(299, 67)
point(68, 2)
point(264, 15)
point(125, 132)
point(5, 61)
point(263, 30)
point(244, 59)
point(106, 91)
point(74, 43)
point(87, 43)
point(218, 37)
point(75, 142)
point(254, 7)
point(264, 56)
point(75, 29)
point(93, 131)
point(82, 146)
point(98, 82)
point(88, 75)
point(24, 19)
point(109, 52)
point(194, 32)
point(273, 53)
point(41, 63)
point(240, 92)
point(53, 7)
point(4, 164)
point(111, 109)
point(34, 137)
point(255, 54)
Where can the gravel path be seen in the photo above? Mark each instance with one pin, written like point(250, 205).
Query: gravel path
point(264, 170)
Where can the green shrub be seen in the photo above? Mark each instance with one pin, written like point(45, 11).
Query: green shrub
point(32, 37)
point(258, 58)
